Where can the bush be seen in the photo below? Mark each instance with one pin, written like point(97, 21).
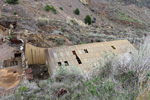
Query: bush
point(61, 8)
point(88, 20)
point(53, 9)
point(12, 2)
point(76, 11)
point(22, 89)
point(48, 8)
point(15, 13)
point(99, 40)
point(62, 29)
point(60, 41)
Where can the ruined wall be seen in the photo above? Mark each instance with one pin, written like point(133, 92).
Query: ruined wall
point(34, 55)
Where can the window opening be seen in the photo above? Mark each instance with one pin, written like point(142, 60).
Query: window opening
point(15, 72)
point(86, 51)
point(113, 47)
point(77, 58)
point(17, 55)
point(74, 53)
point(66, 63)
point(59, 64)
point(14, 63)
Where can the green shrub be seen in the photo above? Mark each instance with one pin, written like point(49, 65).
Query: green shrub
point(62, 29)
point(13, 2)
point(88, 20)
point(77, 11)
point(61, 8)
point(103, 26)
point(99, 40)
point(60, 41)
point(22, 89)
point(15, 13)
point(47, 8)
point(101, 88)
point(52, 8)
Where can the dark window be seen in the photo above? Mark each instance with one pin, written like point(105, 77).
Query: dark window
point(78, 60)
point(113, 47)
point(86, 51)
point(15, 71)
point(17, 54)
point(74, 53)
point(66, 63)
point(59, 64)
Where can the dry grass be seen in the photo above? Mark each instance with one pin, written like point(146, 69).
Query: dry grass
point(73, 21)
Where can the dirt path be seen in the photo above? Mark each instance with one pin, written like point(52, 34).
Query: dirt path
point(10, 77)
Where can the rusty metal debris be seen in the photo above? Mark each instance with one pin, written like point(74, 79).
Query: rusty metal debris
point(61, 92)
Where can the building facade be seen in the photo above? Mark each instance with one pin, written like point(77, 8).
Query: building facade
point(84, 55)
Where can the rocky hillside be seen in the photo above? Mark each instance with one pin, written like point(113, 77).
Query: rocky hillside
point(36, 8)
point(117, 11)
point(112, 19)
point(124, 12)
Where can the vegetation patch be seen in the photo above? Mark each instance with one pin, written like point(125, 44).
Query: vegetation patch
point(77, 11)
point(13, 2)
point(62, 29)
point(47, 8)
point(125, 19)
point(88, 20)
point(52, 8)
point(60, 41)
point(22, 89)
point(60, 8)
point(15, 13)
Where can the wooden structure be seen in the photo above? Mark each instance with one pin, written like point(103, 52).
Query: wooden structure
point(34, 55)
point(84, 55)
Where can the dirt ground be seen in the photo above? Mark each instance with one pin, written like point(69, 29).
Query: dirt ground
point(40, 72)
point(10, 77)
